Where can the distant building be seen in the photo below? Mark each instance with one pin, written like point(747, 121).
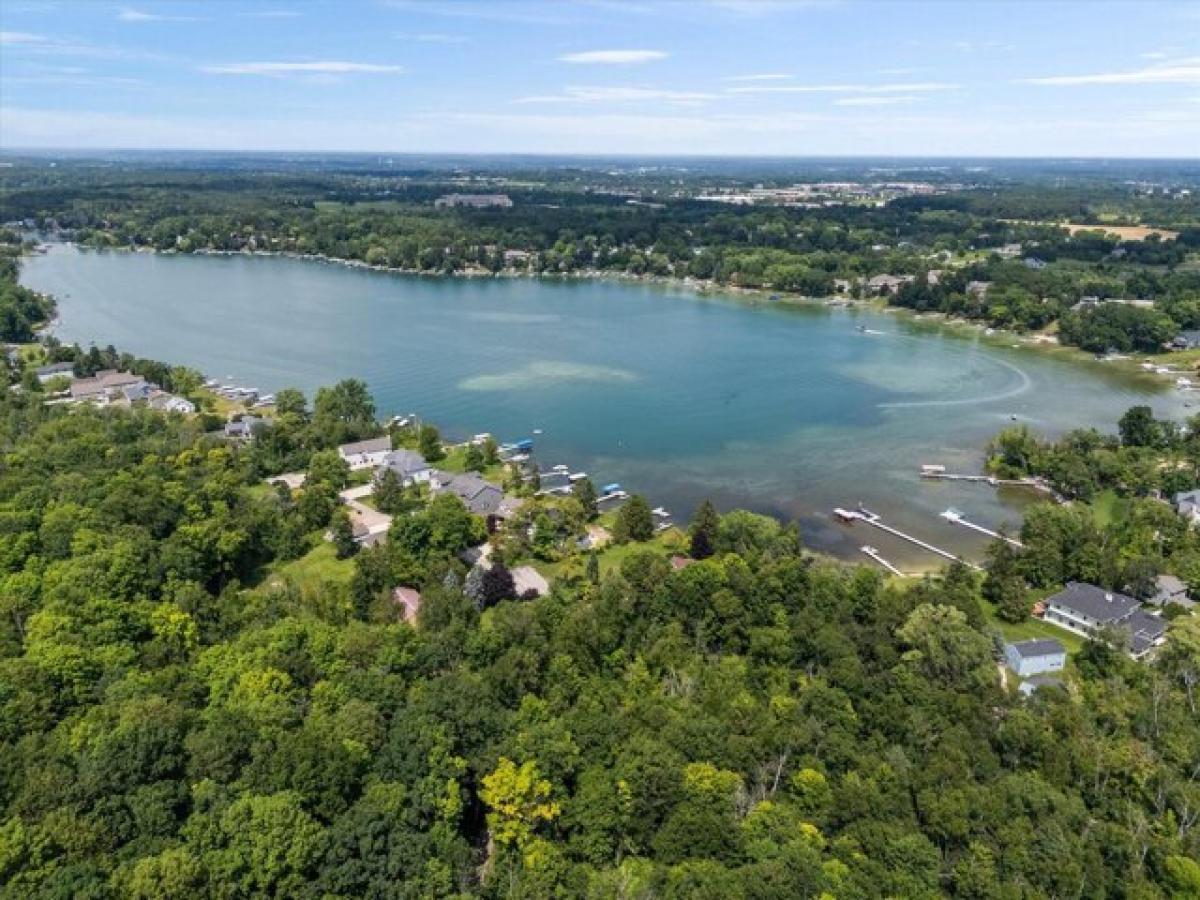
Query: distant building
point(104, 387)
point(1009, 251)
point(1035, 657)
point(1170, 589)
point(243, 429)
point(1086, 609)
point(366, 454)
point(171, 403)
point(1033, 262)
point(978, 288)
point(54, 370)
point(887, 284)
point(410, 467)
point(1187, 504)
point(1186, 340)
point(475, 201)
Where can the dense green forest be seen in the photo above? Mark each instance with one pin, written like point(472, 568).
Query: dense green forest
point(1106, 293)
point(21, 310)
point(180, 718)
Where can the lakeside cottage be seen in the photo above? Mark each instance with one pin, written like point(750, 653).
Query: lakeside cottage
point(1086, 609)
point(479, 496)
point(410, 467)
point(366, 454)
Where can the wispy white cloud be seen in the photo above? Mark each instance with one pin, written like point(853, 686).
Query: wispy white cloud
point(762, 76)
point(619, 94)
point(13, 38)
point(1181, 72)
point(918, 87)
point(283, 69)
point(875, 101)
point(613, 57)
point(762, 7)
point(433, 37)
point(128, 14)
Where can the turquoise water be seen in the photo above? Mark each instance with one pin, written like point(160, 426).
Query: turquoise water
point(786, 410)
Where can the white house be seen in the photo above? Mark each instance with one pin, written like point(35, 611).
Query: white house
point(366, 454)
point(410, 467)
point(1035, 657)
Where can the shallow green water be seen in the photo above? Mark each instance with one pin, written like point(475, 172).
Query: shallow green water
point(787, 410)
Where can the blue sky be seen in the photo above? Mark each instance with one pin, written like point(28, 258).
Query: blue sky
point(790, 77)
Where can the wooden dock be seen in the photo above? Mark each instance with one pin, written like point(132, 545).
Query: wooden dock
point(878, 557)
point(954, 517)
point(862, 514)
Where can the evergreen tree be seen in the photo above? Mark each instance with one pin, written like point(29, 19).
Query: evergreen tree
point(389, 492)
point(475, 459)
point(635, 522)
point(585, 493)
point(704, 531)
point(429, 443)
point(342, 533)
point(593, 567)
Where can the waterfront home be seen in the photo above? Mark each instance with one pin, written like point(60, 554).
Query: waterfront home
point(410, 467)
point(103, 387)
point(409, 601)
point(54, 370)
point(171, 403)
point(1186, 340)
point(366, 454)
point(1035, 657)
point(135, 393)
point(1170, 589)
point(481, 497)
point(243, 429)
point(887, 284)
point(1187, 504)
point(1086, 609)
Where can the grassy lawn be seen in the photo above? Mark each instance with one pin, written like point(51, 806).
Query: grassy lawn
point(455, 461)
point(316, 567)
point(1108, 508)
point(1032, 629)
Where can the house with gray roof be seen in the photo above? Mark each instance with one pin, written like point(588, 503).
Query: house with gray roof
point(243, 429)
point(410, 467)
point(1086, 609)
point(54, 370)
point(1035, 657)
point(480, 497)
point(366, 454)
point(103, 387)
point(1171, 589)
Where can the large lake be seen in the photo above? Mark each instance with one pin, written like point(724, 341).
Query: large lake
point(789, 410)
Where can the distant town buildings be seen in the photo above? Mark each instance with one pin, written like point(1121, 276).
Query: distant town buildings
point(475, 201)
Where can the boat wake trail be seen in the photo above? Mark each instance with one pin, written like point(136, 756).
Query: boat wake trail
point(1025, 384)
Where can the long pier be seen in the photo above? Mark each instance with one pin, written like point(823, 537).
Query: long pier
point(862, 514)
point(878, 557)
point(956, 518)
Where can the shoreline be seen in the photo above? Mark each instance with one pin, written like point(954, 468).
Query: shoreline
point(1000, 338)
